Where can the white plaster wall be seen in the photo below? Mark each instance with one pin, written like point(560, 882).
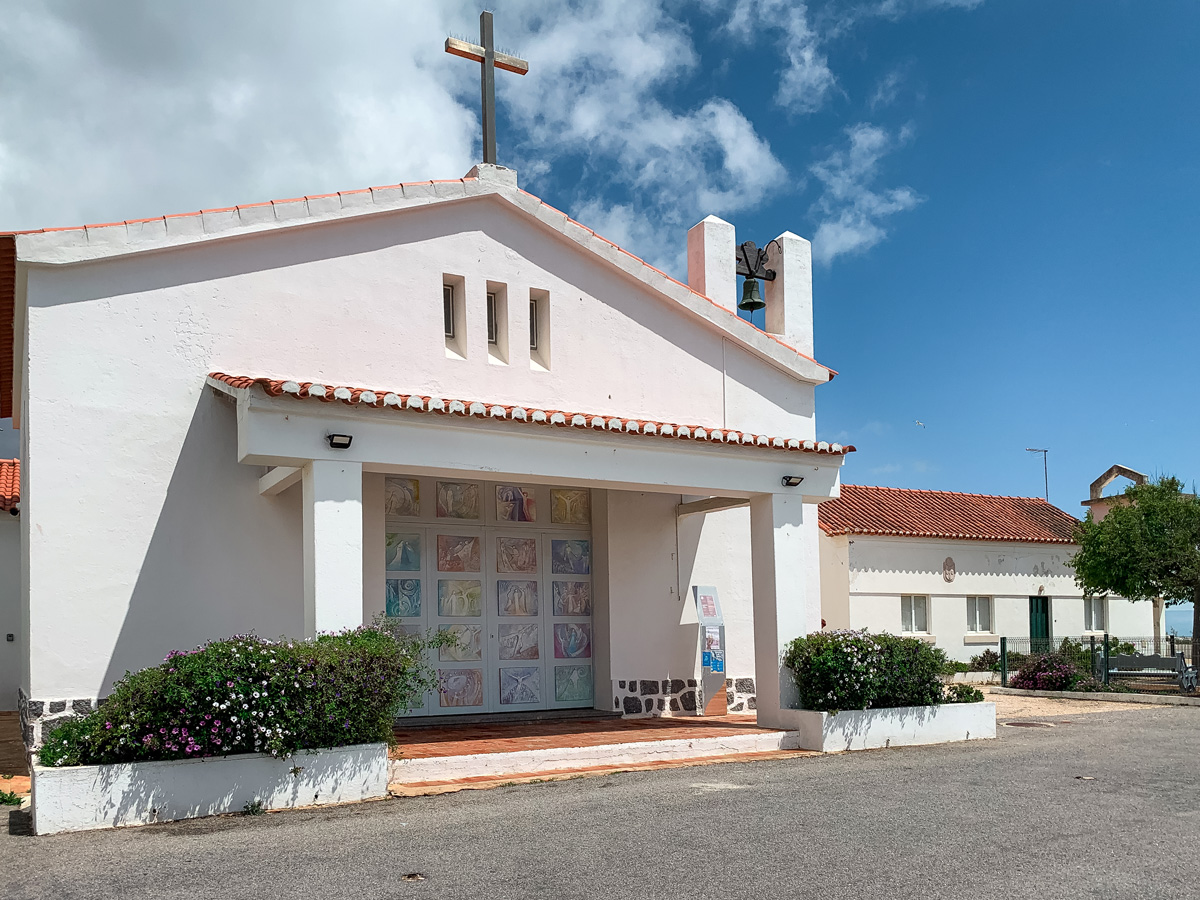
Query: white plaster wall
point(146, 535)
point(883, 569)
point(834, 553)
point(653, 625)
point(714, 549)
point(10, 610)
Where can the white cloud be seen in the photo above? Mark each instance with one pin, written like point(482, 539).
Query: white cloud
point(850, 211)
point(806, 80)
point(126, 110)
point(888, 87)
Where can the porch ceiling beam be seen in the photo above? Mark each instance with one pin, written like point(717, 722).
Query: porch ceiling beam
point(282, 433)
point(709, 504)
point(279, 479)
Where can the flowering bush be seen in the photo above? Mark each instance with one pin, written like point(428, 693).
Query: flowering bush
point(963, 693)
point(856, 670)
point(834, 670)
point(249, 695)
point(1047, 672)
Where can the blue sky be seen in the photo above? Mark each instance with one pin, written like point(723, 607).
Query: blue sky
point(1004, 196)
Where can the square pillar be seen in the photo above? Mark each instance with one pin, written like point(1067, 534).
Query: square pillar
point(783, 549)
point(712, 261)
point(789, 299)
point(333, 546)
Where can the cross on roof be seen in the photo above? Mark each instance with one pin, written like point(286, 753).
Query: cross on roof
point(490, 61)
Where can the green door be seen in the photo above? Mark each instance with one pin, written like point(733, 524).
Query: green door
point(1039, 624)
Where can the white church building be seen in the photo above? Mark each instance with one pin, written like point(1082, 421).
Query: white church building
point(443, 401)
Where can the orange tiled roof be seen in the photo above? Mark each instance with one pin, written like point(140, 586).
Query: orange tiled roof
point(354, 396)
point(944, 514)
point(10, 484)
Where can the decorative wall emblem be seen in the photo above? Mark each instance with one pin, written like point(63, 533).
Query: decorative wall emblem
point(403, 552)
point(948, 569)
point(517, 598)
point(572, 684)
point(401, 497)
point(516, 555)
point(457, 500)
point(568, 507)
point(403, 599)
point(572, 598)
point(571, 557)
point(460, 599)
point(457, 553)
point(515, 504)
point(460, 687)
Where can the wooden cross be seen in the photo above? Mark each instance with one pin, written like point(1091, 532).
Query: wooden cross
point(490, 60)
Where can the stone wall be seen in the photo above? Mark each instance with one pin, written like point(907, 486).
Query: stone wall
point(641, 698)
point(39, 716)
point(739, 695)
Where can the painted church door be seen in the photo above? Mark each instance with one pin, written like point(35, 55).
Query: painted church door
point(516, 596)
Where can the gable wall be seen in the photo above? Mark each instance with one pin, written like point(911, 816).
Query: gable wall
point(146, 535)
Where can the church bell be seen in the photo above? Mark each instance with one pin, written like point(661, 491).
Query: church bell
point(751, 296)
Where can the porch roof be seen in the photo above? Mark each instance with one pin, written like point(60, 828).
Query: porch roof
point(417, 403)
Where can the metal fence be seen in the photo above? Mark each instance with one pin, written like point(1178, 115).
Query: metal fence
point(1091, 655)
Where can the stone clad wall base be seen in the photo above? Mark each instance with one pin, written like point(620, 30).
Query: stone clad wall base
point(39, 716)
point(85, 798)
point(640, 698)
point(740, 696)
point(901, 726)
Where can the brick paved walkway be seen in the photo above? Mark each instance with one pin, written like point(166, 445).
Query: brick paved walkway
point(459, 740)
point(14, 773)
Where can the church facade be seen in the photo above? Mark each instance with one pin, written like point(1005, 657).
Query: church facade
point(443, 402)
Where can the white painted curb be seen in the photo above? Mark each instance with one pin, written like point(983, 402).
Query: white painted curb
point(902, 726)
point(83, 798)
point(528, 762)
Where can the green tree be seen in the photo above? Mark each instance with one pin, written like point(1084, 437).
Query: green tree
point(1144, 548)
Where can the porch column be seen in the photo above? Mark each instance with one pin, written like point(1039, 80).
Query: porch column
point(786, 605)
point(333, 546)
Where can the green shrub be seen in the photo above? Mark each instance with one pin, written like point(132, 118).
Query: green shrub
point(987, 661)
point(963, 693)
point(1096, 686)
point(249, 695)
point(953, 667)
point(9, 798)
point(910, 672)
point(856, 670)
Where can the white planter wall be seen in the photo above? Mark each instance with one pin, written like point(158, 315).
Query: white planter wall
point(901, 726)
point(84, 798)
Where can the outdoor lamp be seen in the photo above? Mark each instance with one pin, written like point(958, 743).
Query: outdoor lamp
point(339, 441)
point(791, 480)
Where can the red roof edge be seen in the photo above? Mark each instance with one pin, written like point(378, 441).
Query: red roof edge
point(8, 307)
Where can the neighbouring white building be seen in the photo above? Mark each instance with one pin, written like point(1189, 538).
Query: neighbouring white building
point(959, 570)
point(446, 401)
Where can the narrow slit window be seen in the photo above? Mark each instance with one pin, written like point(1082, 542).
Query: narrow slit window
point(448, 308)
point(491, 318)
point(533, 324)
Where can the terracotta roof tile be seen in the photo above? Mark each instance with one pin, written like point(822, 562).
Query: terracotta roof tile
point(10, 484)
point(944, 514)
point(529, 415)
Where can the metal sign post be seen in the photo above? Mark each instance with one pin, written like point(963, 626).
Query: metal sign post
point(712, 649)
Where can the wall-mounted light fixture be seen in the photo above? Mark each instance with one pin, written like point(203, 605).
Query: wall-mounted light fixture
point(752, 265)
point(791, 480)
point(339, 441)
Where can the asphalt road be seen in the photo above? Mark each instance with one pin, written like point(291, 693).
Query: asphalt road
point(1009, 818)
